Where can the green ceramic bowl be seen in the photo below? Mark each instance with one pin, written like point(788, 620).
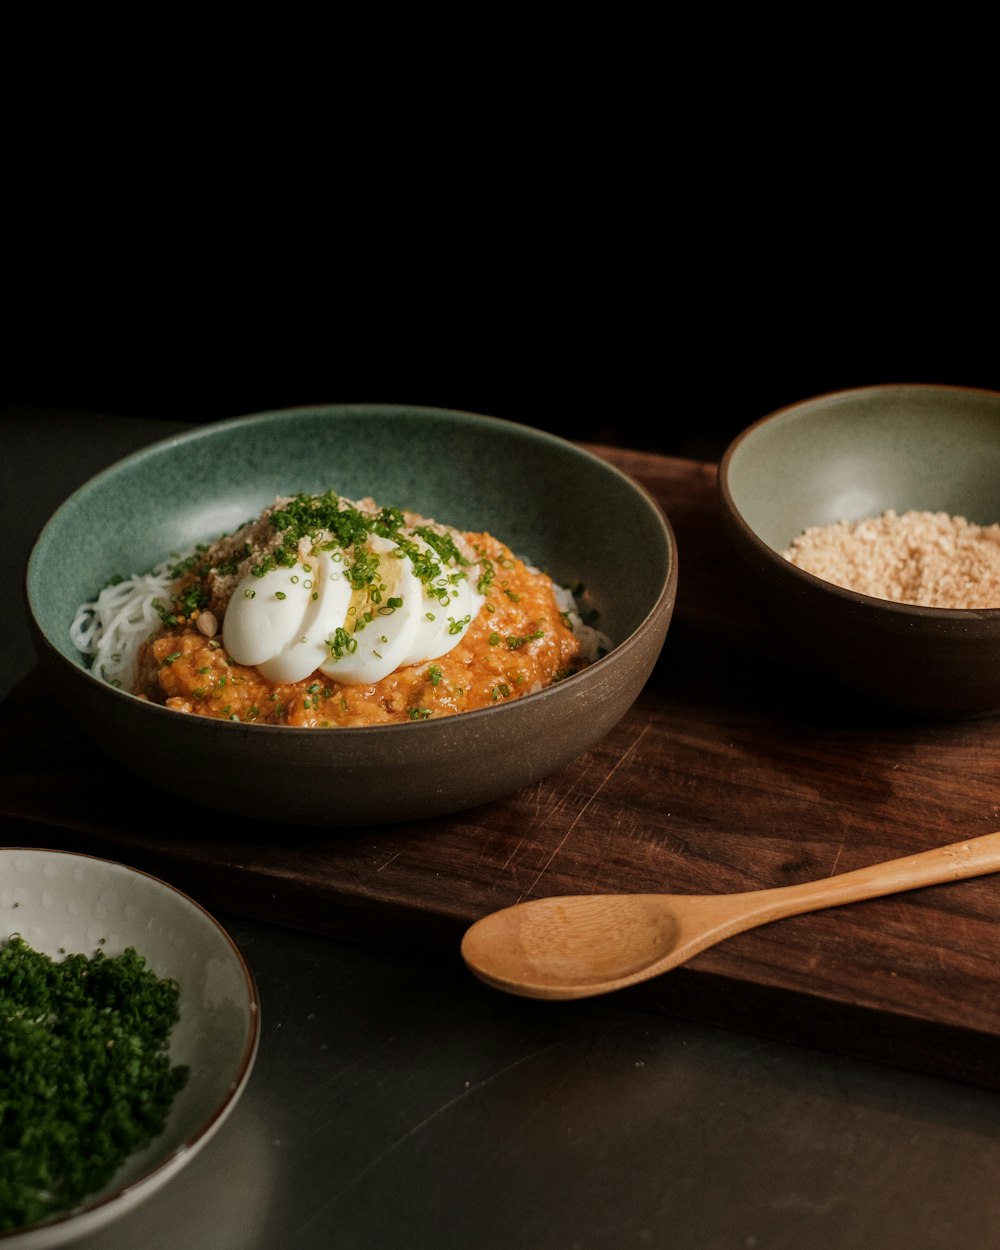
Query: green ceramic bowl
point(854, 454)
point(556, 505)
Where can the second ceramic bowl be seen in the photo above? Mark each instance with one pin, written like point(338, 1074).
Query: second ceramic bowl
point(857, 454)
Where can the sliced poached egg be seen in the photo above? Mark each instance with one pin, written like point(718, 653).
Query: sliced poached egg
point(279, 623)
point(448, 606)
point(291, 622)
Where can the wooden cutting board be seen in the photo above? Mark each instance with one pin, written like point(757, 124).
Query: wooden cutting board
point(733, 770)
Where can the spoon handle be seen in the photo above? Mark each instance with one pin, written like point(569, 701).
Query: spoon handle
point(972, 858)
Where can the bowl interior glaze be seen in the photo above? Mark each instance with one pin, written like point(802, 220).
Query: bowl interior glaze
point(856, 454)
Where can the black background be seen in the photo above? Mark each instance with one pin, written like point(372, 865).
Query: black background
point(653, 341)
point(594, 234)
point(655, 384)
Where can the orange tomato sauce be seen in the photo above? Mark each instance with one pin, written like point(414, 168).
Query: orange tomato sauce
point(518, 642)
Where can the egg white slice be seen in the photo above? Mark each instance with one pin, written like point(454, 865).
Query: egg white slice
point(379, 645)
point(266, 614)
point(443, 622)
point(330, 596)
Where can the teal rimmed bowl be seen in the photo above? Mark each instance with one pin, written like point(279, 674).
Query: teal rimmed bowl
point(555, 504)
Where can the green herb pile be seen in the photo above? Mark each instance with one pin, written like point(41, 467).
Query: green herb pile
point(85, 1077)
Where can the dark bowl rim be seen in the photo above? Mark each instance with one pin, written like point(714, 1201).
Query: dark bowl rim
point(662, 604)
point(810, 580)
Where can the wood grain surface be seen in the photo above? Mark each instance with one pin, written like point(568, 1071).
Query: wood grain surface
point(733, 770)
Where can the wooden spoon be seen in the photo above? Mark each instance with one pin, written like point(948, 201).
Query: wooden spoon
point(580, 945)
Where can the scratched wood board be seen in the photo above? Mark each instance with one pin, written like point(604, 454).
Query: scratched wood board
point(734, 769)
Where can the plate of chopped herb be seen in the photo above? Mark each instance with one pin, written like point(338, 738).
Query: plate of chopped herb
point(129, 1024)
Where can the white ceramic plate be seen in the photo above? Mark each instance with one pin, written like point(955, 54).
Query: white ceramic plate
point(61, 901)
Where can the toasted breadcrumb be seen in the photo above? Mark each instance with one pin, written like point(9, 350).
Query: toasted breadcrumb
point(931, 559)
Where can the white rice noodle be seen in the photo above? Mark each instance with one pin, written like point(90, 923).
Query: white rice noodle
point(593, 642)
point(111, 628)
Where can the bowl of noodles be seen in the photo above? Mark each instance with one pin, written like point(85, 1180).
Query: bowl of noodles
point(351, 614)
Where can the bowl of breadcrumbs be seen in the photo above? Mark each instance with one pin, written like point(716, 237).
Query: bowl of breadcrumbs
point(866, 523)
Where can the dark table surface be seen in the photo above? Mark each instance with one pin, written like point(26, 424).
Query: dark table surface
point(396, 1102)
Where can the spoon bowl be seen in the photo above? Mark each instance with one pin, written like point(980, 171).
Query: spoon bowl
point(578, 943)
point(581, 945)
